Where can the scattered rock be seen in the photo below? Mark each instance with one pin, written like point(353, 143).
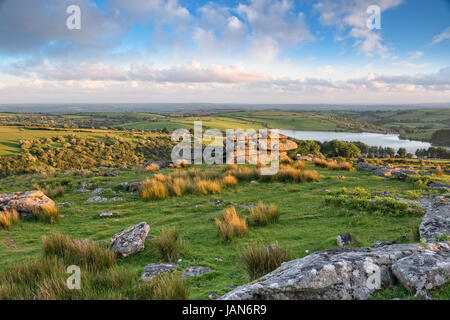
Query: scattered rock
point(115, 199)
point(108, 214)
point(344, 240)
point(436, 221)
point(96, 199)
point(10, 243)
point(195, 271)
point(382, 172)
point(212, 296)
point(219, 202)
point(152, 270)
point(252, 183)
point(424, 269)
point(383, 243)
point(122, 186)
point(365, 166)
point(26, 202)
point(134, 186)
point(113, 173)
point(64, 204)
point(438, 186)
point(85, 186)
point(130, 241)
point(98, 191)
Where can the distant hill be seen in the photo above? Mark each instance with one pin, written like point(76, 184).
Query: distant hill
point(441, 137)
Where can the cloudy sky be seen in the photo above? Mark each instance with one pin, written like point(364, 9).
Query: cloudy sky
point(225, 51)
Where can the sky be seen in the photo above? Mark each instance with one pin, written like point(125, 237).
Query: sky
point(225, 51)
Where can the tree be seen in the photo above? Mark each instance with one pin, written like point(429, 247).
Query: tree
point(401, 152)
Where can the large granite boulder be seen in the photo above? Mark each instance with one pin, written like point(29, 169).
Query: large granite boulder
point(424, 269)
point(382, 172)
point(331, 274)
point(365, 166)
point(436, 221)
point(402, 174)
point(25, 203)
point(130, 241)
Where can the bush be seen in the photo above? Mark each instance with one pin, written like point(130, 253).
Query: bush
point(8, 218)
point(170, 245)
point(168, 286)
point(260, 259)
point(230, 225)
point(83, 252)
point(263, 215)
point(152, 189)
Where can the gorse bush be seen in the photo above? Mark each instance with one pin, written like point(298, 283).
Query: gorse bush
point(263, 215)
point(168, 286)
point(170, 245)
point(9, 218)
point(260, 259)
point(230, 225)
point(83, 252)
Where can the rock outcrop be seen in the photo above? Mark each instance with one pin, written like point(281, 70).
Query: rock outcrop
point(130, 241)
point(26, 202)
point(331, 274)
point(424, 270)
point(436, 221)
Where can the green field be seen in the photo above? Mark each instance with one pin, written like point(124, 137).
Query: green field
point(306, 224)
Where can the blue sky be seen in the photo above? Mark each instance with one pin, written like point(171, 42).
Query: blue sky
point(238, 51)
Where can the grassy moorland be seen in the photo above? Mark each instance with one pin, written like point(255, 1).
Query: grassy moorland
point(306, 224)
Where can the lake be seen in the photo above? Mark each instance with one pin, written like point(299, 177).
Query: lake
point(371, 139)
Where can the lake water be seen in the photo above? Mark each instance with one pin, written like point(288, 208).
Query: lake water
point(371, 139)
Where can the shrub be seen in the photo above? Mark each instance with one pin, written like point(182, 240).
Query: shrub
point(263, 215)
point(230, 225)
point(168, 286)
point(170, 245)
point(152, 167)
point(260, 259)
point(230, 181)
point(299, 165)
point(152, 189)
point(8, 218)
point(82, 252)
point(207, 187)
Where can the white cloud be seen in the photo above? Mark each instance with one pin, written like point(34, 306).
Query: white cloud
point(352, 14)
point(444, 35)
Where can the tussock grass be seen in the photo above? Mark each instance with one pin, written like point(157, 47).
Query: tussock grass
point(152, 167)
point(168, 286)
point(263, 215)
point(207, 187)
point(49, 191)
point(49, 214)
point(159, 177)
point(230, 181)
point(260, 259)
point(333, 164)
point(244, 173)
point(170, 245)
point(83, 253)
point(152, 189)
point(9, 218)
point(299, 165)
point(230, 225)
point(439, 171)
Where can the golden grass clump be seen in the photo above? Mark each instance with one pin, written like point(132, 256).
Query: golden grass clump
point(439, 171)
point(177, 186)
point(170, 245)
point(152, 167)
point(49, 213)
point(182, 164)
point(8, 218)
point(49, 191)
point(230, 181)
point(232, 166)
point(159, 177)
point(309, 176)
point(321, 163)
point(347, 166)
point(287, 173)
point(263, 215)
point(207, 187)
point(230, 225)
point(167, 286)
point(260, 259)
point(244, 173)
point(299, 165)
point(83, 252)
point(152, 189)
point(286, 160)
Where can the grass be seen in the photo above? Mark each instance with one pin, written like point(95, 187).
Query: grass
point(231, 225)
point(8, 218)
point(263, 215)
point(260, 259)
point(169, 286)
point(306, 223)
point(170, 245)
